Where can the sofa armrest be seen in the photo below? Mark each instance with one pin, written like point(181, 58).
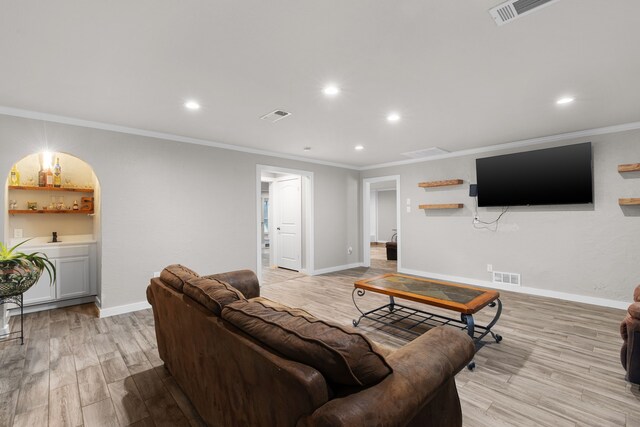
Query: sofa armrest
point(245, 281)
point(422, 370)
point(633, 352)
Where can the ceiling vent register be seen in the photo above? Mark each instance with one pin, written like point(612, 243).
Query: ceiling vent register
point(275, 116)
point(426, 152)
point(514, 9)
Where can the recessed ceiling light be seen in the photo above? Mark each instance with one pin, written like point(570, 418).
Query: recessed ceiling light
point(191, 105)
point(359, 147)
point(307, 148)
point(565, 100)
point(393, 117)
point(331, 90)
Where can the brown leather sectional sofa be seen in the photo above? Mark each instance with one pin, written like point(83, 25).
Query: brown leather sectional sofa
point(246, 361)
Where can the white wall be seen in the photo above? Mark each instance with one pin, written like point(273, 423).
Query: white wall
point(587, 250)
point(373, 216)
point(167, 202)
point(386, 215)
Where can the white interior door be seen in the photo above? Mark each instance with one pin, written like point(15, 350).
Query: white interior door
point(288, 207)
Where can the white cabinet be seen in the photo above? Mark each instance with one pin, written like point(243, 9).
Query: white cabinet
point(73, 277)
point(41, 291)
point(76, 274)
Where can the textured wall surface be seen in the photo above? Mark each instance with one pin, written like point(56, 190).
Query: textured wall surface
point(589, 250)
point(167, 202)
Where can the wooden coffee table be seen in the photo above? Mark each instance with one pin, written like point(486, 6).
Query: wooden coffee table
point(466, 300)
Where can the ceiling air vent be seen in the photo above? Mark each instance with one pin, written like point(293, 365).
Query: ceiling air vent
point(514, 9)
point(426, 152)
point(276, 115)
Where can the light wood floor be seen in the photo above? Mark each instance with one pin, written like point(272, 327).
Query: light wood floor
point(558, 364)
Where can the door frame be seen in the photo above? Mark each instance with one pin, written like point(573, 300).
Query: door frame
point(307, 217)
point(366, 217)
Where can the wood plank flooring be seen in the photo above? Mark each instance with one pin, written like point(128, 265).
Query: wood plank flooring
point(558, 364)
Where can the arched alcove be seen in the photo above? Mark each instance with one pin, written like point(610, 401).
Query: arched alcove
point(70, 207)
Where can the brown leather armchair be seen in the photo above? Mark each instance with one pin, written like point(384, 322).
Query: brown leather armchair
point(630, 331)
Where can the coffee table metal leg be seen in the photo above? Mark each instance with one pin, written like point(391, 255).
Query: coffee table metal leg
point(495, 336)
point(360, 293)
point(392, 303)
point(471, 327)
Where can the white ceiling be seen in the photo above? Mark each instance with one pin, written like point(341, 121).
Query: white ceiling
point(458, 80)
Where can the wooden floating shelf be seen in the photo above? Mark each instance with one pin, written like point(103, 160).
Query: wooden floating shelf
point(445, 183)
point(48, 211)
point(443, 206)
point(32, 188)
point(629, 202)
point(632, 167)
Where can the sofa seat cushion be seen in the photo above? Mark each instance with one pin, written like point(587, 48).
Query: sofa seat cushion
point(342, 355)
point(175, 275)
point(212, 293)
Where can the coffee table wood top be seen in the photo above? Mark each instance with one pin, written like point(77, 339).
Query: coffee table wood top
point(452, 296)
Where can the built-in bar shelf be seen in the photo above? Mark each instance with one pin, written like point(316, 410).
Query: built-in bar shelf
point(33, 188)
point(629, 202)
point(48, 211)
point(443, 206)
point(632, 167)
point(431, 184)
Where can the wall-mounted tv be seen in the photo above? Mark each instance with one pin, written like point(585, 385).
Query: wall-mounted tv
point(553, 176)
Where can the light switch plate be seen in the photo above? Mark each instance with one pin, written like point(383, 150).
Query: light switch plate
point(408, 209)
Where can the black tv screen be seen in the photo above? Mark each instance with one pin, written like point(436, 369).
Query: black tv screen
point(554, 176)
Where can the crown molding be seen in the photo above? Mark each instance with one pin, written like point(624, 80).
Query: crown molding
point(16, 112)
point(515, 144)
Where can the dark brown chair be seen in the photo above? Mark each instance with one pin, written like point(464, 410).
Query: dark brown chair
point(630, 331)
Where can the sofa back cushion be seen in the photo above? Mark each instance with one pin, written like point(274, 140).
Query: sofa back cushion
point(342, 355)
point(212, 293)
point(175, 275)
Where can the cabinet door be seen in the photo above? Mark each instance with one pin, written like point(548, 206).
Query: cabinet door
point(73, 277)
point(41, 291)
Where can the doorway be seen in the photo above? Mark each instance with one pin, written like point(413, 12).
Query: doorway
point(285, 219)
point(381, 220)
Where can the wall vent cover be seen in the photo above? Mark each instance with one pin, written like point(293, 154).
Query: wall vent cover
point(506, 278)
point(426, 152)
point(514, 9)
point(275, 116)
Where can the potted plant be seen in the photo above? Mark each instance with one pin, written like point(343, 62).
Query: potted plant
point(19, 271)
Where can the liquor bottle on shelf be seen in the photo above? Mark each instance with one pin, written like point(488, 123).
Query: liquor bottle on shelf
point(15, 176)
point(49, 176)
point(57, 174)
point(42, 176)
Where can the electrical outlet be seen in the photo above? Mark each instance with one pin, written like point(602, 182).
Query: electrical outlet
point(408, 209)
point(349, 250)
point(408, 201)
point(17, 233)
point(490, 268)
point(476, 219)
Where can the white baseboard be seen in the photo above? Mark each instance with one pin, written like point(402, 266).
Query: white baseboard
point(15, 310)
point(336, 268)
point(122, 309)
point(522, 289)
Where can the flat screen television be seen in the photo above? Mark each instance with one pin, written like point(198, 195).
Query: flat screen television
point(553, 176)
